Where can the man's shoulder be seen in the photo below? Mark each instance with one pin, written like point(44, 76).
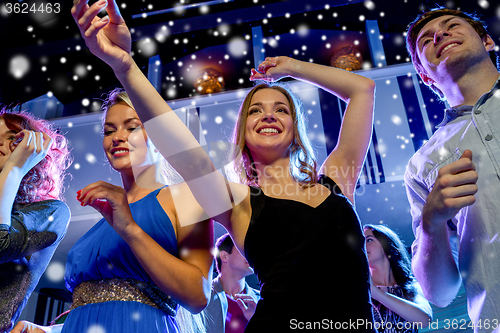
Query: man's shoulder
point(217, 286)
point(437, 151)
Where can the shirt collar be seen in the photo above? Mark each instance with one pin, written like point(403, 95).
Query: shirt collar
point(453, 113)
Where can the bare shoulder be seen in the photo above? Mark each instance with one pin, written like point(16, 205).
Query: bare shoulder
point(179, 200)
point(181, 203)
point(239, 220)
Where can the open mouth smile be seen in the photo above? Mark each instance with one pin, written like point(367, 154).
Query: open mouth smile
point(119, 152)
point(268, 130)
point(447, 47)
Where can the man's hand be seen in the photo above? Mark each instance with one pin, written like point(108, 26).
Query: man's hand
point(454, 189)
point(247, 304)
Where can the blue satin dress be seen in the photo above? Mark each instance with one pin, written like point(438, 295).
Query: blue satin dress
point(102, 254)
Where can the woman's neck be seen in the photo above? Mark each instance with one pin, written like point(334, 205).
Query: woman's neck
point(139, 182)
point(277, 172)
point(382, 274)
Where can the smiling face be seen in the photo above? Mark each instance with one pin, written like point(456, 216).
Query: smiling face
point(447, 43)
point(7, 138)
point(124, 139)
point(269, 125)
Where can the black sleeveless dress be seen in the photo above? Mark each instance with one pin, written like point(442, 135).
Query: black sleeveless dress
point(310, 262)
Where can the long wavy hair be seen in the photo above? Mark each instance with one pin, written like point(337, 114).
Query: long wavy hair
point(398, 256)
point(46, 179)
point(165, 173)
point(303, 163)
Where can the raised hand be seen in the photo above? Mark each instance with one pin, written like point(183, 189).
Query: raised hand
point(454, 189)
point(111, 201)
point(274, 68)
point(109, 37)
point(28, 150)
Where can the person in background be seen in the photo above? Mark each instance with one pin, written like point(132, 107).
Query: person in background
point(453, 181)
point(33, 220)
point(233, 301)
point(396, 296)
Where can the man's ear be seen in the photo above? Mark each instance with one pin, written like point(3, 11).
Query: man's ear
point(489, 44)
point(223, 256)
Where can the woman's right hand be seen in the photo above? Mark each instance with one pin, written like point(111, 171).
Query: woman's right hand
point(109, 37)
point(32, 148)
point(26, 327)
point(274, 68)
point(111, 201)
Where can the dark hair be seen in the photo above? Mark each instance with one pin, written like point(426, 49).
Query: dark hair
point(398, 256)
point(223, 243)
point(416, 26)
point(46, 179)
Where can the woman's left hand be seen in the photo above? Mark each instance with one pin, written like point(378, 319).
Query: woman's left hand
point(111, 201)
point(274, 68)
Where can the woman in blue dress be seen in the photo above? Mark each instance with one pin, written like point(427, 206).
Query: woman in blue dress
point(130, 271)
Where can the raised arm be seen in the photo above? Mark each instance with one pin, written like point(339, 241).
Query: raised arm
point(109, 39)
point(174, 276)
point(417, 310)
point(29, 152)
point(344, 163)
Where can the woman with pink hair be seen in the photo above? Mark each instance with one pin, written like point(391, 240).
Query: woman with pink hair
point(33, 219)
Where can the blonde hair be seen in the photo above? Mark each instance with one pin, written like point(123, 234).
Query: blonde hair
point(302, 158)
point(165, 173)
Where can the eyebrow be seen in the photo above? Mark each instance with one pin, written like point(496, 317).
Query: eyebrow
point(275, 103)
point(10, 132)
point(428, 31)
point(125, 122)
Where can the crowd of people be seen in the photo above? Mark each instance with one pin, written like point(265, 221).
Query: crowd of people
point(151, 255)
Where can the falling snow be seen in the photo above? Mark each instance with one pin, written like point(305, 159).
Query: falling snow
point(19, 65)
point(55, 271)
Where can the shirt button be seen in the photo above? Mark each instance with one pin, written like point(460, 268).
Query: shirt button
point(477, 111)
point(488, 137)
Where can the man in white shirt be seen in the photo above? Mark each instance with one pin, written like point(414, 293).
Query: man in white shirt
point(453, 181)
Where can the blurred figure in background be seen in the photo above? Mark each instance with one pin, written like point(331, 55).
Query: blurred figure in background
point(398, 303)
point(233, 301)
